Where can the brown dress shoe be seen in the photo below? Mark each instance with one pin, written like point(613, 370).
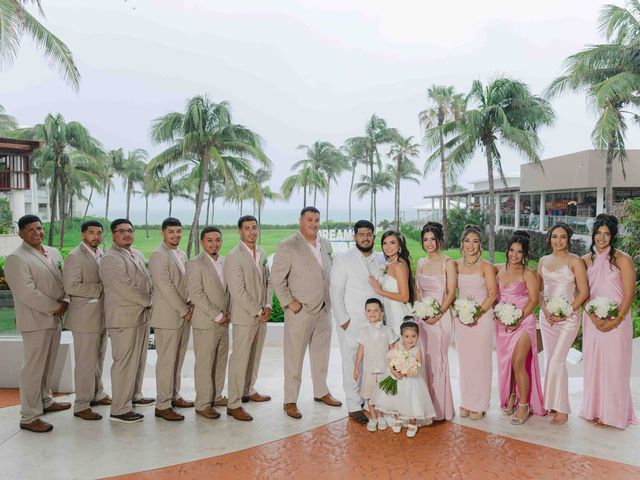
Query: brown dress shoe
point(57, 407)
point(144, 401)
point(221, 402)
point(169, 414)
point(292, 410)
point(37, 426)
point(103, 401)
point(182, 403)
point(208, 412)
point(87, 414)
point(256, 397)
point(129, 417)
point(359, 417)
point(329, 400)
point(239, 414)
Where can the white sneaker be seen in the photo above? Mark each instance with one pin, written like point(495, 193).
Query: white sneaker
point(372, 426)
point(397, 426)
point(382, 423)
point(412, 429)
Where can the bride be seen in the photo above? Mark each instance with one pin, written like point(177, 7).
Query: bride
point(396, 286)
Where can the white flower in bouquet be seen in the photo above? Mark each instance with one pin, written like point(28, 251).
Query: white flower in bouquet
point(507, 313)
point(559, 306)
point(404, 363)
point(603, 307)
point(426, 308)
point(466, 310)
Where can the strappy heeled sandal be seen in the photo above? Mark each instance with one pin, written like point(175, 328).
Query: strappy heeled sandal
point(521, 421)
point(509, 410)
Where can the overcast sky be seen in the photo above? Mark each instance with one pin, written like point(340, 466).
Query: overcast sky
point(300, 71)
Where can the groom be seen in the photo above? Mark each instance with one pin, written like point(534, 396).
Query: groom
point(350, 289)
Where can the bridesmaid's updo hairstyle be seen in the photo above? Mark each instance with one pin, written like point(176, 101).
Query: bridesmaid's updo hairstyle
point(403, 253)
point(611, 222)
point(438, 231)
point(471, 228)
point(409, 323)
point(521, 237)
point(563, 226)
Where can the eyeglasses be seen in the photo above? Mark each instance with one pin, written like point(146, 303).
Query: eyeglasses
point(122, 231)
point(365, 235)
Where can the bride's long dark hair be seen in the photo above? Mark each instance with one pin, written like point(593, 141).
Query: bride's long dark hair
point(403, 255)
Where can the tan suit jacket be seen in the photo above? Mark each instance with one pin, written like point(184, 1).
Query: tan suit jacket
point(36, 286)
point(208, 296)
point(297, 275)
point(127, 288)
point(248, 285)
point(169, 288)
point(84, 287)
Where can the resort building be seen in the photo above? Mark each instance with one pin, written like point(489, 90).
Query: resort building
point(568, 188)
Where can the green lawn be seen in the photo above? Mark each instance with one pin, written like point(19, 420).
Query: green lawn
point(7, 321)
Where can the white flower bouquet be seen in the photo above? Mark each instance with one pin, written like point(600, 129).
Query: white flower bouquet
point(426, 308)
point(559, 306)
point(466, 310)
point(603, 307)
point(403, 362)
point(507, 313)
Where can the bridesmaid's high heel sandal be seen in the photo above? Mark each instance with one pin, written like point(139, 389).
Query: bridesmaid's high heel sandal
point(476, 415)
point(511, 405)
point(559, 418)
point(515, 420)
point(464, 413)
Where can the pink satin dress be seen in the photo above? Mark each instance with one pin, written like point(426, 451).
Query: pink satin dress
point(434, 343)
point(517, 294)
point(474, 344)
point(607, 355)
point(557, 340)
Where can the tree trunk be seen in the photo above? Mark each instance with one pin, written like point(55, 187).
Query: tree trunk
point(492, 205)
point(53, 202)
point(443, 198)
point(304, 198)
point(327, 210)
point(375, 211)
point(146, 215)
point(61, 195)
point(353, 176)
point(208, 207)
point(315, 194)
point(213, 209)
point(170, 204)
point(259, 223)
point(608, 191)
point(70, 208)
point(204, 171)
point(396, 209)
point(106, 211)
point(86, 210)
point(372, 215)
point(128, 198)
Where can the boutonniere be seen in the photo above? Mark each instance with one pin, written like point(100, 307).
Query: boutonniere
point(264, 262)
point(59, 265)
point(330, 251)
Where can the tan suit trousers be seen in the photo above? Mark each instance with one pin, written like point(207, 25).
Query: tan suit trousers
point(127, 371)
point(171, 346)
point(211, 348)
point(142, 360)
point(40, 351)
point(88, 351)
point(244, 361)
point(304, 330)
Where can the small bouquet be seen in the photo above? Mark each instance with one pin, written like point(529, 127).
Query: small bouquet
point(403, 362)
point(466, 310)
point(603, 307)
point(507, 313)
point(426, 308)
point(560, 307)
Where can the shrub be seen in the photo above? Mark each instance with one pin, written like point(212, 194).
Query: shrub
point(538, 244)
point(277, 314)
point(457, 218)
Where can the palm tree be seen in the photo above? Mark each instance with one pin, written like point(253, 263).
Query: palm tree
point(401, 152)
point(174, 184)
point(59, 139)
point(376, 133)
point(445, 106)
point(260, 193)
point(306, 178)
point(15, 22)
point(113, 165)
point(133, 173)
point(609, 74)
point(504, 110)
point(215, 190)
point(381, 181)
point(355, 155)
point(151, 185)
point(324, 158)
point(7, 122)
point(205, 134)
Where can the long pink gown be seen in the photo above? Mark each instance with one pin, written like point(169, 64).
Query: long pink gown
point(434, 341)
point(607, 355)
point(474, 344)
point(557, 340)
point(517, 294)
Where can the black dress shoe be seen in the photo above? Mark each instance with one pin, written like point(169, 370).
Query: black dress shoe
point(359, 417)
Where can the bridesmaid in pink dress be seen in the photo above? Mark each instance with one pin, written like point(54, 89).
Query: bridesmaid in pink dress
point(517, 346)
point(474, 342)
point(436, 277)
point(606, 344)
point(561, 273)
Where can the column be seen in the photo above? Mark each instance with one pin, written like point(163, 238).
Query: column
point(542, 202)
point(516, 219)
point(16, 202)
point(599, 200)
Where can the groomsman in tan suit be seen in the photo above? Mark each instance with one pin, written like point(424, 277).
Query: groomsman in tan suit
point(300, 278)
point(85, 318)
point(127, 302)
point(170, 317)
point(210, 296)
point(32, 271)
point(247, 275)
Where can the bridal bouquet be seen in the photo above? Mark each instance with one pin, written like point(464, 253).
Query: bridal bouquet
point(466, 310)
point(403, 362)
point(559, 306)
point(603, 307)
point(507, 313)
point(426, 308)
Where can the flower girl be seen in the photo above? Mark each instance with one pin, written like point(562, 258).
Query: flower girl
point(371, 356)
point(405, 395)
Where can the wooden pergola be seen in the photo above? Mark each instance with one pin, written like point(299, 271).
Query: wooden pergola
point(15, 171)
